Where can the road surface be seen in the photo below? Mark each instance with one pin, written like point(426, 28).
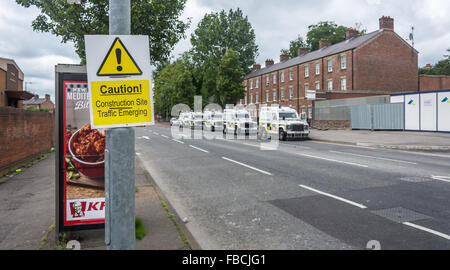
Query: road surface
point(303, 195)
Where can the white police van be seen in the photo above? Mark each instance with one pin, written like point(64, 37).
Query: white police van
point(212, 120)
point(238, 122)
point(185, 119)
point(197, 120)
point(283, 122)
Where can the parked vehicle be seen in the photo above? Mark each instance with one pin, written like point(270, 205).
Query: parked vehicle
point(174, 121)
point(282, 121)
point(197, 120)
point(212, 120)
point(185, 119)
point(238, 122)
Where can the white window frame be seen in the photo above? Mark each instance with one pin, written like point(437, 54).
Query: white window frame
point(291, 75)
point(245, 99)
point(267, 80)
point(309, 115)
point(343, 62)
point(251, 84)
point(274, 78)
point(282, 76)
point(256, 98)
point(330, 65)
point(343, 84)
point(282, 94)
point(306, 71)
point(306, 88)
point(317, 68)
point(251, 98)
point(257, 84)
point(274, 95)
point(267, 96)
point(317, 84)
point(330, 83)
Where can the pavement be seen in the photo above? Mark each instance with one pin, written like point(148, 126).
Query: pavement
point(302, 195)
point(399, 140)
point(28, 205)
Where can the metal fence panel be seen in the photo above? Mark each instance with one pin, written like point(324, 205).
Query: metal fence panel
point(360, 117)
point(377, 116)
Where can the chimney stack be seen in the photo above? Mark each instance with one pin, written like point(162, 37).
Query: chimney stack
point(256, 67)
point(284, 57)
point(302, 51)
point(269, 62)
point(36, 96)
point(428, 67)
point(351, 33)
point(387, 23)
point(47, 96)
point(324, 42)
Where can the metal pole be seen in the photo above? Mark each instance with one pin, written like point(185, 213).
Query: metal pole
point(119, 159)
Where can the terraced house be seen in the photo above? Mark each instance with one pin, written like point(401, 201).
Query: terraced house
point(380, 62)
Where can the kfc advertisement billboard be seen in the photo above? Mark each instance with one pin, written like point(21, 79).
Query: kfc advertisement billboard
point(81, 157)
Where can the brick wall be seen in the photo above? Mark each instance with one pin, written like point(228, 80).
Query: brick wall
point(387, 63)
point(434, 82)
point(23, 134)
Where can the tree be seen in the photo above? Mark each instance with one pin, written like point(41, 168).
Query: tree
point(440, 68)
point(293, 47)
point(326, 29)
point(218, 32)
point(173, 86)
point(229, 86)
point(159, 19)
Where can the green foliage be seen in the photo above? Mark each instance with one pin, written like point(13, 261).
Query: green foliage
point(140, 229)
point(293, 47)
point(326, 29)
point(218, 32)
point(157, 18)
point(173, 86)
point(229, 86)
point(440, 68)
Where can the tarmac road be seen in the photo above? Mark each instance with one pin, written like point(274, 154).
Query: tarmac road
point(303, 195)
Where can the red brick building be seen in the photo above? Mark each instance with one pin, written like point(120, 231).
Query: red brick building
point(11, 84)
point(379, 62)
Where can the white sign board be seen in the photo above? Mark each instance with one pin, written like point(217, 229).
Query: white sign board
point(119, 72)
point(412, 112)
point(311, 94)
point(443, 100)
point(428, 112)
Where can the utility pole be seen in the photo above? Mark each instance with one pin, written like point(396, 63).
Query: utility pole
point(119, 159)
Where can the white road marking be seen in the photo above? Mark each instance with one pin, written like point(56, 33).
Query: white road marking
point(145, 137)
point(156, 133)
point(334, 160)
point(248, 166)
point(335, 197)
point(443, 235)
point(175, 140)
point(199, 149)
point(388, 159)
point(167, 137)
point(441, 178)
point(138, 154)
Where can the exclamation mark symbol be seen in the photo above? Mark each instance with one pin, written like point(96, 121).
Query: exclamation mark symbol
point(119, 59)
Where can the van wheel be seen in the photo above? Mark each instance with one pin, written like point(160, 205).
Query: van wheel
point(212, 129)
point(282, 135)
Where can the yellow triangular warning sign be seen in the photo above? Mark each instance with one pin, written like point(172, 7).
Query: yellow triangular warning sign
point(118, 61)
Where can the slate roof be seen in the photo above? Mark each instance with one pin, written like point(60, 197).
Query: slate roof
point(34, 101)
point(324, 52)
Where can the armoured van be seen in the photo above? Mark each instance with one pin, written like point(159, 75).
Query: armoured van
point(212, 120)
point(283, 122)
point(238, 122)
point(185, 119)
point(197, 120)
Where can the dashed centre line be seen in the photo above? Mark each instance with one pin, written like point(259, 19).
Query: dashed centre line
point(199, 149)
point(334, 197)
point(335, 160)
point(248, 166)
point(443, 235)
point(167, 137)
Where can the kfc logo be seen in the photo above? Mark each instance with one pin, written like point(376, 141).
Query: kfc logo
point(77, 209)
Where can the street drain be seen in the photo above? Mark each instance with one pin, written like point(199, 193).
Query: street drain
point(415, 179)
point(400, 214)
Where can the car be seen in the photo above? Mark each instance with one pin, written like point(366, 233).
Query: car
point(212, 120)
point(174, 121)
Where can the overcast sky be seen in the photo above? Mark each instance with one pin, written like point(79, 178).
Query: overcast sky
point(275, 22)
